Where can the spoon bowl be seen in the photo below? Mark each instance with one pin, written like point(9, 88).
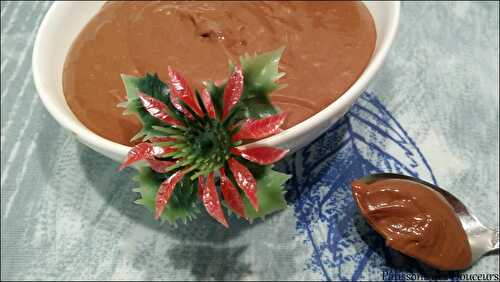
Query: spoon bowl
point(482, 240)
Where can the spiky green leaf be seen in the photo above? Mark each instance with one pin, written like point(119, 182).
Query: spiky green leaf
point(261, 72)
point(270, 193)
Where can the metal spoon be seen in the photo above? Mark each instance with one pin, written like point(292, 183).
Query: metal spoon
point(482, 240)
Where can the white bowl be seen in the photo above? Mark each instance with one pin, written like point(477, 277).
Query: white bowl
point(64, 20)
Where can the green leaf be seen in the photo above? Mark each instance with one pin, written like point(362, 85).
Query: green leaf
point(270, 193)
point(261, 75)
point(131, 85)
point(149, 84)
point(258, 107)
point(182, 204)
point(261, 72)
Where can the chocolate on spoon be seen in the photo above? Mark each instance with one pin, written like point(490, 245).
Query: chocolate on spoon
point(423, 221)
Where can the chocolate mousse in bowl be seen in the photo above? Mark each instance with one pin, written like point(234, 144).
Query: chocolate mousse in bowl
point(332, 50)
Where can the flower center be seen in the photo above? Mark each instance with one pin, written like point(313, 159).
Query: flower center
point(210, 144)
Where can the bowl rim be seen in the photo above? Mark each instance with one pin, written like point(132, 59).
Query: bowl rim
point(98, 142)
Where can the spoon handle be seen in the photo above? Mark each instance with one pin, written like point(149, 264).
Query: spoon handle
point(495, 242)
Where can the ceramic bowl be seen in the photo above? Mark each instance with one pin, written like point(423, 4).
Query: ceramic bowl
point(64, 20)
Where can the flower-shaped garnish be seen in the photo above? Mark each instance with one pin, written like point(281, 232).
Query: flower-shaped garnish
point(198, 143)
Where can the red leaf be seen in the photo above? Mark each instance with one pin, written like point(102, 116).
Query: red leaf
point(175, 101)
point(263, 155)
point(233, 91)
point(157, 109)
point(200, 187)
point(211, 200)
point(159, 166)
point(139, 152)
point(260, 128)
point(231, 195)
point(245, 180)
point(163, 150)
point(165, 192)
point(235, 151)
point(180, 89)
point(207, 101)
